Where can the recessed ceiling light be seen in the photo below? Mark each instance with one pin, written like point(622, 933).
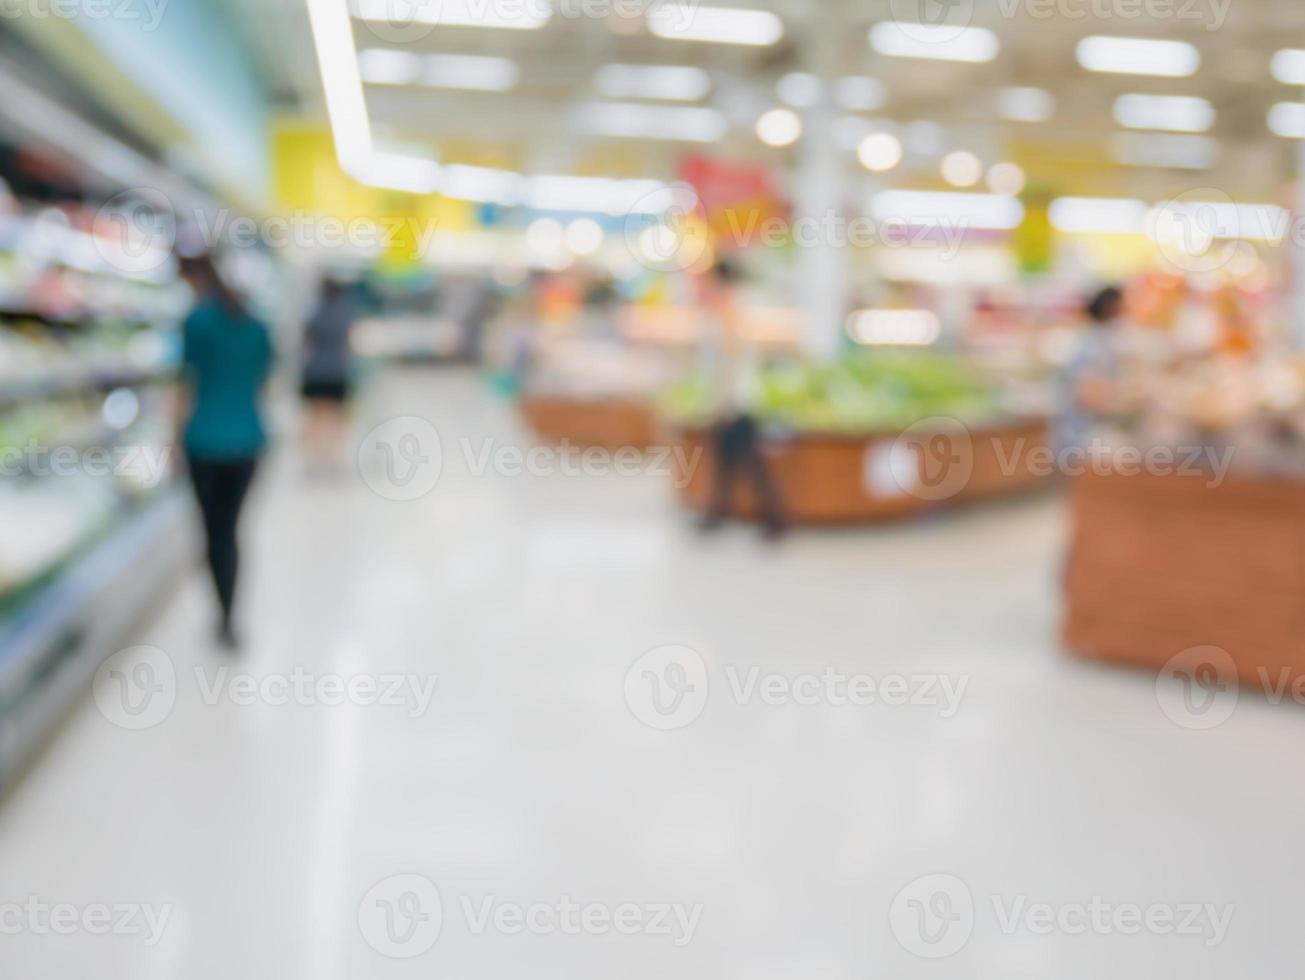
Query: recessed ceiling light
point(940, 42)
point(779, 127)
point(1138, 56)
point(719, 25)
point(799, 89)
point(1178, 113)
point(880, 152)
point(1024, 104)
point(676, 83)
point(925, 138)
point(1006, 178)
point(584, 236)
point(961, 168)
point(859, 93)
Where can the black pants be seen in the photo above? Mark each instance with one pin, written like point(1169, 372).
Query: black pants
point(737, 448)
point(220, 487)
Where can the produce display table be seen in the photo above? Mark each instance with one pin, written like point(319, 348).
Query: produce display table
point(845, 478)
point(1161, 564)
point(609, 423)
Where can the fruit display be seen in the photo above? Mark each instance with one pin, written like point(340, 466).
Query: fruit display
point(1253, 407)
point(864, 392)
point(592, 369)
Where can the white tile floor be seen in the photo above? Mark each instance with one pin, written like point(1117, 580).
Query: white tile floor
point(787, 829)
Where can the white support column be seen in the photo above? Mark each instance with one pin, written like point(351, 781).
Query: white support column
point(1296, 242)
point(822, 275)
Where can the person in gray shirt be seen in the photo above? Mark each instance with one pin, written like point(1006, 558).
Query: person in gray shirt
point(327, 373)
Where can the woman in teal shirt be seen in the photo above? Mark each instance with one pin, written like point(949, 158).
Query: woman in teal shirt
point(227, 357)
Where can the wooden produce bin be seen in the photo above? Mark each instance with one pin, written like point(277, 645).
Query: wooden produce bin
point(829, 479)
point(1161, 564)
point(609, 423)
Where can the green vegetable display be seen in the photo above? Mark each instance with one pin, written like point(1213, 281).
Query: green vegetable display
point(872, 391)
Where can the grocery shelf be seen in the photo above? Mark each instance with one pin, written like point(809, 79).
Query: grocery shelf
point(57, 385)
point(51, 647)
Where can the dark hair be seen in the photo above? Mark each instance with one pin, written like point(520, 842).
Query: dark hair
point(726, 272)
point(331, 288)
point(1105, 304)
point(200, 268)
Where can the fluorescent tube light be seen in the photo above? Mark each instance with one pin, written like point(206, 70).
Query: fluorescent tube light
point(1218, 220)
point(719, 25)
point(1138, 56)
point(675, 83)
point(457, 13)
point(1023, 104)
point(1165, 150)
point(383, 66)
point(1288, 119)
point(1288, 66)
point(598, 194)
point(468, 71)
point(939, 42)
point(346, 108)
point(1178, 113)
point(1105, 215)
point(487, 185)
point(634, 120)
point(337, 60)
point(982, 211)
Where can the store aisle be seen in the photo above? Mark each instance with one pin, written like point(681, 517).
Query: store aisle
point(757, 839)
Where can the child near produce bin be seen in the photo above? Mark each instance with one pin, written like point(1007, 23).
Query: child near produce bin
point(227, 357)
point(732, 373)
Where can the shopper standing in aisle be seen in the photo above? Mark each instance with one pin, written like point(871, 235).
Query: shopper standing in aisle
point(327, 372)
point(1086, 386)
point(733, 374)
point(227, 356)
